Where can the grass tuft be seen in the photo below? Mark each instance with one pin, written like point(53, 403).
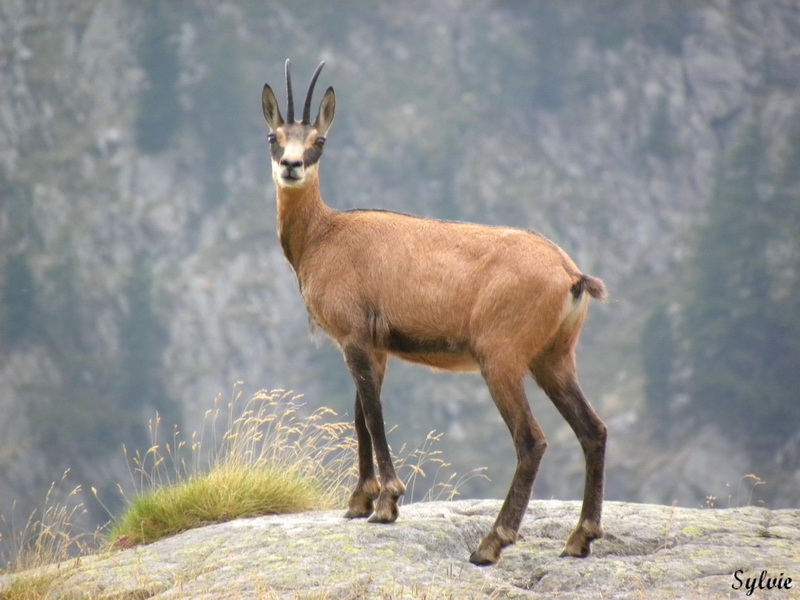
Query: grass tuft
point(269, 459)
point(223, 494)
point(49, 536)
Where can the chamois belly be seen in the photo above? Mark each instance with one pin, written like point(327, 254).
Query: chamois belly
point(447, 355)
point(463, 362)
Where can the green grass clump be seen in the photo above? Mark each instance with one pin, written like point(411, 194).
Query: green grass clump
point(223, 494)
point(269, 459)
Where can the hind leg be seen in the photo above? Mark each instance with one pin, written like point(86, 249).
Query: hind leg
point(559, 381)
point(506, 387)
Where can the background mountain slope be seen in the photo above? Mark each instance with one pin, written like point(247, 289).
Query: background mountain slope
point(657, 143)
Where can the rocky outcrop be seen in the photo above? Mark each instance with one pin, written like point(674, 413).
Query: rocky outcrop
point(649, 551)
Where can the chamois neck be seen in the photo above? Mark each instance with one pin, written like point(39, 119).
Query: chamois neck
point(301, 216)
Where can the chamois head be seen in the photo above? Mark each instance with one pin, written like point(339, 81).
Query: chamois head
point(296, 146)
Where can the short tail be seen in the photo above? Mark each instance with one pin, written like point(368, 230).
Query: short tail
point(592, 285)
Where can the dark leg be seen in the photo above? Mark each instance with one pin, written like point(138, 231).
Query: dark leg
point(508, 394)
point(367, 487)
point(565, 392)
point(367, 369)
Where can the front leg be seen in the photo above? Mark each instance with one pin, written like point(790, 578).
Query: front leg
point(367, 488)
point(367, 368)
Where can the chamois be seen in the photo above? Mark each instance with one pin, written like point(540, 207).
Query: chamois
point(449, 295)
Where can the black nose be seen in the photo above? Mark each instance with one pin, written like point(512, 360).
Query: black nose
point(291, 164)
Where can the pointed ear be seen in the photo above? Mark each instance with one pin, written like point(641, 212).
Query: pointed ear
point(326, 109)
point(270, 106)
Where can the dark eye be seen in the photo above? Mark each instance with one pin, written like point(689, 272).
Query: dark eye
point(272, 138)
point(320, 141)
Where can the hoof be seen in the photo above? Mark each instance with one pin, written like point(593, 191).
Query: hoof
point(488, 552)
point(361, 500)
point(384, 520)
point(385, 514)
point(576, 552)
point(386, 510)
point(480, 560)
point(579, 543)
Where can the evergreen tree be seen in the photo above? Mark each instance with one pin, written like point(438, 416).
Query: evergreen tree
point(159, 110)
point(658, 356)
point(139, 384)
point(743, 319)
point(16, 302)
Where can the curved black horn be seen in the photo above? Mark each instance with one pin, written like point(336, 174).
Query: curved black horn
point(289, 97)
point(307, 105)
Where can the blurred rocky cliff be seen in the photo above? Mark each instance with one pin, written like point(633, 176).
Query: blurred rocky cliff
point(139, 269)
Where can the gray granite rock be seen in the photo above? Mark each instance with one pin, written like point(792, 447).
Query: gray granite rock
point(649, 551)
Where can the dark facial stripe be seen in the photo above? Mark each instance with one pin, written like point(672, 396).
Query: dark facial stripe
point(276, 151)
point(312, 155)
